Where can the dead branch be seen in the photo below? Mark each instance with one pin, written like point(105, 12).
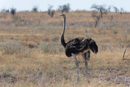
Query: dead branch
point(125, 52)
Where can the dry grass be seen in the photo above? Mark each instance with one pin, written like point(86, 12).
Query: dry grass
point(31, 54)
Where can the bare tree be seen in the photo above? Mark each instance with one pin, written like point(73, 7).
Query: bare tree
point(50, 11)
point(96, 17)
point(13, 11)
point(100, 8)
point(109, 9)
point(121, 11)
point(35, 9)
point(5, 10)
point(111, 17)
point(64, 8)
point(116, 9)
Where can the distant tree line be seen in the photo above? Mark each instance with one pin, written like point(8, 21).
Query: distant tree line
point(51, 12)
point(66, 8)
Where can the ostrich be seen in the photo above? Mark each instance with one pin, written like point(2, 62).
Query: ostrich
point(78, 46)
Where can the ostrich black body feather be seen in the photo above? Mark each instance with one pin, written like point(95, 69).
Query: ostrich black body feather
point(80, 45)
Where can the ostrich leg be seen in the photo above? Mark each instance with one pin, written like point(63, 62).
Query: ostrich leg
point(77, 65)
point(86, 63)
point(87, 55)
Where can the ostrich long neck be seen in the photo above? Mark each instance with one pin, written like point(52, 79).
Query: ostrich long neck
point(62, 36)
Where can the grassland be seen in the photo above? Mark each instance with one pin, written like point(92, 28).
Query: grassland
point(31, 54)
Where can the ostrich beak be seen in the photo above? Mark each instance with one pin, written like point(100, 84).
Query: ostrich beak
point(61, 15)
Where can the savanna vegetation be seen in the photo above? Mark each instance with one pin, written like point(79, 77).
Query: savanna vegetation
point(31, 54)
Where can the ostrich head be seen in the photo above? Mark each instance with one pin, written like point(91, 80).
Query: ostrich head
point(63, 15)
